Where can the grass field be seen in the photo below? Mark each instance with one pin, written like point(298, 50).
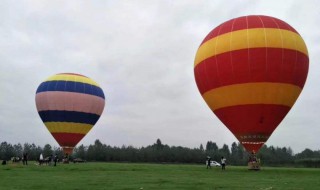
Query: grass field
point(125, 176)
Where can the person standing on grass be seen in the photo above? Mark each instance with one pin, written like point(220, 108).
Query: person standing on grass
point(25, 159)
point(41, 159)
point(55, 159)
point(208, 162)
point(223, 163)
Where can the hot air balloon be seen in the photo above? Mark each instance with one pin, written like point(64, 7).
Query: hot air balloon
point(69, 105)
point(250, 71)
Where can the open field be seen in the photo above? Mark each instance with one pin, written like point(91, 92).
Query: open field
point(125, 176)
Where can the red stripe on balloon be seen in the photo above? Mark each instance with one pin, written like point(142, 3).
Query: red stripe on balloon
point(248, 22)
point(68, 139)
point(252, 120)
point(256, 119)
point(252, 65)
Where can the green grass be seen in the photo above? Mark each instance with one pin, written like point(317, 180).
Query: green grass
point(125, 176)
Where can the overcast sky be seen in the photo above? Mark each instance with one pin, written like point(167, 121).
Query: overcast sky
point(141, 53)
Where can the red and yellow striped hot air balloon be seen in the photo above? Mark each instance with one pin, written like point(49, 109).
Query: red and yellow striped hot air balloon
point(69, 105)
point(250, 71)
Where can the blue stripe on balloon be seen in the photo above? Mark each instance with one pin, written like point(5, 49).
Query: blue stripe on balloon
point(70, 86)
point(68, 116)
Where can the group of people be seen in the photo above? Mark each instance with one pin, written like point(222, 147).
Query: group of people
point(253, 163)
point(223, 162)
point(48, 160)
point(41, 160)
point(17, 159)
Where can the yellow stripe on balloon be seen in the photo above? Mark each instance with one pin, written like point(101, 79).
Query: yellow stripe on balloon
point(73, 78)
point(250, 38)
point(252, 93)
point(68, 127)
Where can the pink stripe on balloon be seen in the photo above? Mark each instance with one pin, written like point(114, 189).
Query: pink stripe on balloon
point(69, 101)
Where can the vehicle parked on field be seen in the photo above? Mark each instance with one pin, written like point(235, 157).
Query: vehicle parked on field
point(214, 163)
point(78, 160)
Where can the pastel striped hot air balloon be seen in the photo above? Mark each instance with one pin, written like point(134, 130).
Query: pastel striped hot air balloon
point(69, 105)
point(250, 71)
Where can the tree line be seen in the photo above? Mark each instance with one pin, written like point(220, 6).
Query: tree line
point(163, 153)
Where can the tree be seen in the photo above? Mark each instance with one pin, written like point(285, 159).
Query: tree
point(237, 155)
point(234, 154)
point(6, 150)
point(97, 151)
point(212, 150)
point(159, 145)
point(307, 153)
point(211, 146)
point(47, 150)
point(201, 148)
point(224, 151)
point(159, 152)
point(80, 152)
point(18, 150)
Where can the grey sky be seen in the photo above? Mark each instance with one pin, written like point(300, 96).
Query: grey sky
point(141, 53)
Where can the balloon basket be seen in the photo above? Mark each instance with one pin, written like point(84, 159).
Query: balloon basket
point(254, 166)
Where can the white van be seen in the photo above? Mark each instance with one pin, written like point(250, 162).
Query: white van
point(214, 163)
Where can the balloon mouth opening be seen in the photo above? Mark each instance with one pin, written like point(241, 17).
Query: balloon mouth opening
point(67, 150)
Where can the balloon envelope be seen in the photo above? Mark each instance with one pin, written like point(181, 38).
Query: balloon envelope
point(250, 71)
point(69, 105)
